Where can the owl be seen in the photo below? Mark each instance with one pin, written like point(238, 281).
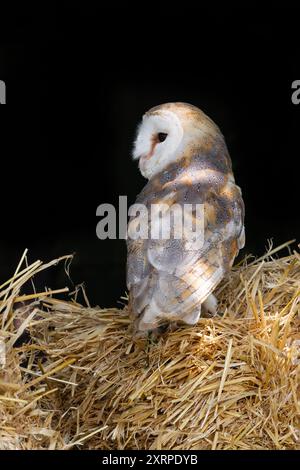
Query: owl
point(183, 155)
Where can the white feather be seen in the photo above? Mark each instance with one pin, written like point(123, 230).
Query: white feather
point(164, 152)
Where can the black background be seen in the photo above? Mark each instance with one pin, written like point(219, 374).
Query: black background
point(79, 79)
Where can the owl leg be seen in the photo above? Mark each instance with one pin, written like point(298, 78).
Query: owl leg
point(193, 317)
point(148, 321)
point(211, 305)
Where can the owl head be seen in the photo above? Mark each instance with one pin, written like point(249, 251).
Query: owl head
point(167, 132)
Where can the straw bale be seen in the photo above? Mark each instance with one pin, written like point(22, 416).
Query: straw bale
point(73, 376)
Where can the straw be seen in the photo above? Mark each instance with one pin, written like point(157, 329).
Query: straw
point(83, 380)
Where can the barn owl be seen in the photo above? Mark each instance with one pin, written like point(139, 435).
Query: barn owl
point(183, 155)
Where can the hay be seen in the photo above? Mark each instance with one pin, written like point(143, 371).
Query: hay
point(83, 381)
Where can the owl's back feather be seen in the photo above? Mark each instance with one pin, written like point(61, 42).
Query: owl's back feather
point(165, 279)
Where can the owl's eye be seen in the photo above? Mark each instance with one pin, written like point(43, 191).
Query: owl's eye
point(162, 136)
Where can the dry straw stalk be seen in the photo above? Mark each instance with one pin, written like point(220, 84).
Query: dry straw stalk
point(84, 381)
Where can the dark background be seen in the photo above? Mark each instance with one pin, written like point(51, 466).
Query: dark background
point(78, 81)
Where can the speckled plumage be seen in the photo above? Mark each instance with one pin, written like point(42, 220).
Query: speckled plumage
point(165, 280)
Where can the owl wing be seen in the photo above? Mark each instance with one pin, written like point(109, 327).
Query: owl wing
point(223, 238)
point(165, 278)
